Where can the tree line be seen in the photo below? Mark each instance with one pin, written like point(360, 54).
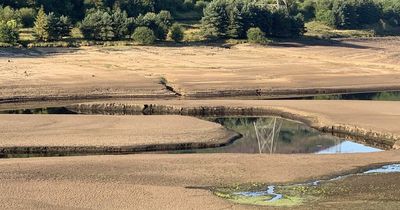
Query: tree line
point(352, 14)
point(119, 19)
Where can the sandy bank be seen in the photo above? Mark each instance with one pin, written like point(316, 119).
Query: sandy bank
point(77, 133)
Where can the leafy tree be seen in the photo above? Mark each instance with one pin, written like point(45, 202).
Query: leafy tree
point(256, 35)
point(176, 32)
point(143, 35)
point(41, 28)
point(9, 32)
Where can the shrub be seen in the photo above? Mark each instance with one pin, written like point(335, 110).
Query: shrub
point(9, 32)
point(256, 35)
point(176, 32)
point(144, 35)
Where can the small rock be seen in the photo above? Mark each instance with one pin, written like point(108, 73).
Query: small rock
point(396, 145)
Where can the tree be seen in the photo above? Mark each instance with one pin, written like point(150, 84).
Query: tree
point(144, 35)
point(120, 23)
point(106, 25)
point(214, 23)
point(176, 32)
point(235, 27)
point(256, 35)
point(58, 27)
point(158, 23)
point(41, 27)
point(9, 32)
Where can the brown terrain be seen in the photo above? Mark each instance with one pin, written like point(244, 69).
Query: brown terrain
point(192, 71)
point(130, 79)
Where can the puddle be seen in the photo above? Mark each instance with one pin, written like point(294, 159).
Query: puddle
point(270, 196)
point(290, 137)
point(47, 110)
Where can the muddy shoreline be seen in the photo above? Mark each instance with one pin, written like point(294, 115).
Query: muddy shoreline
point(384, 140)
point(48, 151)
point(277, 93)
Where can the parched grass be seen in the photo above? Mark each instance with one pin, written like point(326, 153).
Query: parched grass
point(320, 30)
point(52, 44)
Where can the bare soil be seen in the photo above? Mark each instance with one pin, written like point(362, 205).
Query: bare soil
point(193, 71)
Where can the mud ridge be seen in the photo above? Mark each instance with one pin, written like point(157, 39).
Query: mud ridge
point(380, 139)
point(87, 150)
point(277, 93)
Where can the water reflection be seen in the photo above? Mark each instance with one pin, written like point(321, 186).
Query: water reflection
point(281, 136)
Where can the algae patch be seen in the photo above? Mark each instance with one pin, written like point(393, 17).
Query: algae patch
point(266, 197)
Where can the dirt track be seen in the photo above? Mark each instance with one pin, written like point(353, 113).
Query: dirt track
point(243, 70)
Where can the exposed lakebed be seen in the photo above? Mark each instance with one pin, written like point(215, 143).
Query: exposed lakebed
point(266, 134)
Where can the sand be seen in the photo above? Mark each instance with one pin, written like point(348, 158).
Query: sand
point(107, 131)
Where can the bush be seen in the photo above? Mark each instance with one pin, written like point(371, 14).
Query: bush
point(256, 35)
point(144, 35)
point(176, 32)
point(9, 32)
